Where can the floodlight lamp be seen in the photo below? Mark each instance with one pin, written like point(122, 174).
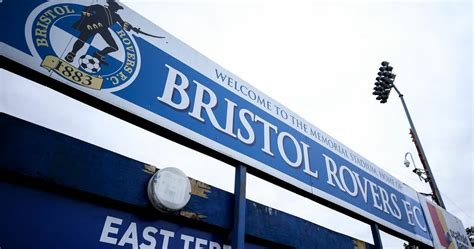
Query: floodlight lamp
point(385, 80)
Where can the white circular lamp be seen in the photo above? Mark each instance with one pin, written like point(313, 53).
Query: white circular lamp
point(169, 189)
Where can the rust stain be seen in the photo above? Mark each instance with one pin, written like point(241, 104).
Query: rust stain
point(199, 188)
point(191, 215)
point(358, 244)
point(150, 169)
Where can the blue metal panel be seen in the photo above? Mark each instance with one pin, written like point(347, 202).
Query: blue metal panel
point(40, 155)
point(44, 220)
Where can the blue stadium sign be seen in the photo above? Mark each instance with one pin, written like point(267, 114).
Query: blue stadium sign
point(55, 221)
point(110, 52)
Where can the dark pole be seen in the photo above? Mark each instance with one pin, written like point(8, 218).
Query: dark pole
point(421, 153)
point(238, 231)
point(376, 235)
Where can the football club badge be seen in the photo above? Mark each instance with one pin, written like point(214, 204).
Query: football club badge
point(89, 45)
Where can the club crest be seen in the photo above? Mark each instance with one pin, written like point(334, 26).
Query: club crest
point(89, 45)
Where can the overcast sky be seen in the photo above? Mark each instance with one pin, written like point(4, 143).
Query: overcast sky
point(319, 59)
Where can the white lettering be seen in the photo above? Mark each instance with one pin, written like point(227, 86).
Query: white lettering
point(108, 229)
point(417, 210)
point(409, 212)
point(171, 87)
point(251, 134)
point(266, 134)
point(229, 122)
point(332, 171)
point(187, 239)
point(299, 157)
point(214, 245)
point(307, 169)
point(200, 243)
point(130, 236)
point(200, 105)
point(363, 189)
point(343, 180)
point(166, 237)
point(375, 196)
point(385, 200)
point(148, 233)
point(398, 213)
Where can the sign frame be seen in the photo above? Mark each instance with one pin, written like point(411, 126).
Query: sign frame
point(340, 161)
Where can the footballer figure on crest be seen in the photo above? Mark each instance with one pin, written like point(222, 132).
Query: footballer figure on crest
point(97, 19)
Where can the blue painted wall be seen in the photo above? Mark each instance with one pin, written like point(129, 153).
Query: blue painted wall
point(60, 190)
